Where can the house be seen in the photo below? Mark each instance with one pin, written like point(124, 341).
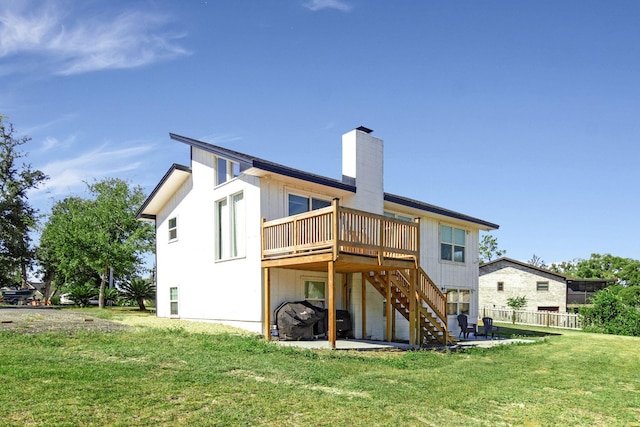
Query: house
point(237, 236)
point(544, 290)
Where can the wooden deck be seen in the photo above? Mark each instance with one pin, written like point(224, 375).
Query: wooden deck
point(386, 251)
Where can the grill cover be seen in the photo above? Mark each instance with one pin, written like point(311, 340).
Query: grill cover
point(300, 320)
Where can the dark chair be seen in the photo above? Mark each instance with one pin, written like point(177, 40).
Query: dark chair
point(489, 328)
point(465, 327)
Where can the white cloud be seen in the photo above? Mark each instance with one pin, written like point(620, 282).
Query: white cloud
point(315, 5)
point(87, 43)
point(69, 176)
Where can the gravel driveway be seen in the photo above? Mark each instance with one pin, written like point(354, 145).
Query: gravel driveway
point(31, 320)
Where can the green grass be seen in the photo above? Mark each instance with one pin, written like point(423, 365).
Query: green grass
point(164, 372)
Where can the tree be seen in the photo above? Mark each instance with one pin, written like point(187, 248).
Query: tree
point(517, 303)
point(623, 271)
point(100, 233)
point(536, 261)
point(17, 217)
point(489, 249)
point(138, 290)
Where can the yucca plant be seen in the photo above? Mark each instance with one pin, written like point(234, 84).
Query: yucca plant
point(138, 289)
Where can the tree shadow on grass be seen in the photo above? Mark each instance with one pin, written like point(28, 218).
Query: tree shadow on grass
point(507, 331)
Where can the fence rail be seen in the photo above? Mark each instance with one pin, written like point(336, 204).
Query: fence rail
point(549, 319)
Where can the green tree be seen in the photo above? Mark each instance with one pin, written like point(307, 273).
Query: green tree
point(138, 290)
point(517, 303)
point(489, 249)
point(17, 217)
point(100, 233)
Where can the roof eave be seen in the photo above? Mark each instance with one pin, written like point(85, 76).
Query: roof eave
point(485, 225)
point(143, 213)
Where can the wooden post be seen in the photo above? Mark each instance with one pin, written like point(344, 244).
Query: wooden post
point(262, 238)
point(417, 221)
point(267, 304)
point(389, 308)
point(364, 305)
point(412, 308)
point(335, 231)
point(332, 305)
point(381, 242)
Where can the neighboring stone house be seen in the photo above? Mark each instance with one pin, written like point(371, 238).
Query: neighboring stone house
point(505, 278)
point(545, 290)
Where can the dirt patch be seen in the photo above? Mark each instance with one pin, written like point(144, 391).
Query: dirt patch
point(32, 320)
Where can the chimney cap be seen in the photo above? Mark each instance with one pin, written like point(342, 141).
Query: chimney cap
point(364, 129)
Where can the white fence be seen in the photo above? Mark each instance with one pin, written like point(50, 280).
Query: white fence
point(549, 319)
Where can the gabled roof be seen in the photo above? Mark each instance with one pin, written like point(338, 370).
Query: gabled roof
point(248, 162)
point(520, 264)
point(168, 185)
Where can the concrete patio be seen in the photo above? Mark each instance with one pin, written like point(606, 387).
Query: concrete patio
point(369, 345)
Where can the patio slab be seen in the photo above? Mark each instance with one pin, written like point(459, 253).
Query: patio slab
point(369, 345)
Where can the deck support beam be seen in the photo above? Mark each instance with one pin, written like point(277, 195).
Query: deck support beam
point(363, 311)
point(267, 304)
point(413, 340)
point(389, 308)
point(332, 304)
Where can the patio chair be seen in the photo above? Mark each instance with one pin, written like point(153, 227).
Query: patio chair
point(465, 327)
point(489, 328)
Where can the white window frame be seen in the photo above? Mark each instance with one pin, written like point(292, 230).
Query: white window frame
point(453, 244)
point(230, 220)
point(232, 170)
point(401, 217)
point(173, 229)
point(310, 198)
point(173, 301)
point(455, 296)
point(315, 301)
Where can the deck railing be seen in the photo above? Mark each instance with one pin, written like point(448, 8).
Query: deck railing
point(341, 230)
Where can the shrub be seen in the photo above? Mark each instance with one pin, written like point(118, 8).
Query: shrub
point(609, 314)
point(83, 294)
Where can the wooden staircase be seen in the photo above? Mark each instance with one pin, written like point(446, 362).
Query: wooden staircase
point(431, 304)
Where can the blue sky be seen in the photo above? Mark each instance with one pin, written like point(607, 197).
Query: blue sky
point(525, 114)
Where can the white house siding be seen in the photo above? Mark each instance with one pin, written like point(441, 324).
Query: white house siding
point(520, 281)
point(226, 291)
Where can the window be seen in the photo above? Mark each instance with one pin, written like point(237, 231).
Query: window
point(173, 301)
point(398, 216)
point(314, 291)
point(452, 243)
point(301, 204)
point(173, 229)
point(458, 301)
point(500, 286)
point(230, 230)
point(226, 170)
point(542, 286)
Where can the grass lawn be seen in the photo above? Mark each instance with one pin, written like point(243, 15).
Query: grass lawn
point(162, 372)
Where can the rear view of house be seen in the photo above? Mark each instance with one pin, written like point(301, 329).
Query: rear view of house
point(238, 236)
